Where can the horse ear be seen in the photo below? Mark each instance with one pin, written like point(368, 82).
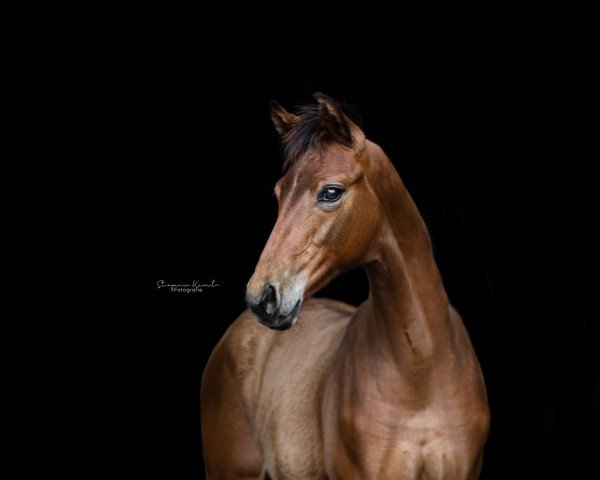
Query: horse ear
point(333, 118)
point(282, 119)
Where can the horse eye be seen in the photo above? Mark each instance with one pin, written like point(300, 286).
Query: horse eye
point(330, 194)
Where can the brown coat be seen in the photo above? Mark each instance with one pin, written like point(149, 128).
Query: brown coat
point(389, 390)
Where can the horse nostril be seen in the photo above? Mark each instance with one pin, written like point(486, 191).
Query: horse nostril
point(269, 300)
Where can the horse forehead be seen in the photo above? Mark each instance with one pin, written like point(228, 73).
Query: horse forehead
point(335, 163)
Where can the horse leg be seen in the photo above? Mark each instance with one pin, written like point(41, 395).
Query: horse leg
point(231, 451)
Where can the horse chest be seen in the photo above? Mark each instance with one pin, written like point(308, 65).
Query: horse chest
point(418, 447)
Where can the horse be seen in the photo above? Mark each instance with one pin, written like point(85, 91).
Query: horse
point(389, 390)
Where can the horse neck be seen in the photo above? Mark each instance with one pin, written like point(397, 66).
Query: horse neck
point(408, 310)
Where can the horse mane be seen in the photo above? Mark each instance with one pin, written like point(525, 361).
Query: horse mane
point(309, 132)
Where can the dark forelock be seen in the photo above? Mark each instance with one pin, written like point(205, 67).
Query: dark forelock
point(309, 132)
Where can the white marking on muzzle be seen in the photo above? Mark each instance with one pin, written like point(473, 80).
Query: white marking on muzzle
point(294, 293)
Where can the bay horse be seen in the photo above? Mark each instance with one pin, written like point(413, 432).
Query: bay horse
point(389, 390)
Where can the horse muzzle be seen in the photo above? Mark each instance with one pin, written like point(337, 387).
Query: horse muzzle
point(269, 310)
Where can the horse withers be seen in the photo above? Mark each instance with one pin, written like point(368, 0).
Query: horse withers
point(389, 390)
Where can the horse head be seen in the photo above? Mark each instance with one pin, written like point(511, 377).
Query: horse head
point(328, 211)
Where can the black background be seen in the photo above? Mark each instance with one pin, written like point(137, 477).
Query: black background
point(137, 147)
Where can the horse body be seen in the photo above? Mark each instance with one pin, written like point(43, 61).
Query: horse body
point(389, 390)
point(280, 380)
